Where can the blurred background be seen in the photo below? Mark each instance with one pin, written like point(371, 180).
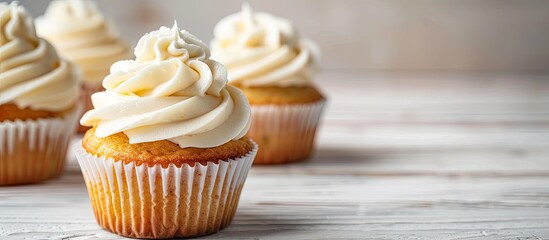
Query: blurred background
point(475, 35)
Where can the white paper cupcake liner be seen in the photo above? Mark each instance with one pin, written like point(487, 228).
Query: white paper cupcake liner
point(156, 202)
point(35, 150)
point(285, 133)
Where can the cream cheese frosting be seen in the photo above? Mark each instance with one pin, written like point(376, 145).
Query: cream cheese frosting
point(171, 91)
point(259, 49)
point(31, 73)
point(81, 33)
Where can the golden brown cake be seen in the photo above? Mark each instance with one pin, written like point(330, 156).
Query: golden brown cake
point(10, 112)
point(281, 95)
point(161, 152)
point(38, 95)
point(167, 155)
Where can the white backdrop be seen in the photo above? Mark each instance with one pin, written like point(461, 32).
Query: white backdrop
point(486, 35)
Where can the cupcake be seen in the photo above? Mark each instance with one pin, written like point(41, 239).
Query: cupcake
point(38, 101)
point(83, 35)
point(167, 154)
point(267, 60)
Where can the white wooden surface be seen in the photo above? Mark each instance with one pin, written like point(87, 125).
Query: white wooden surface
point(400, 156)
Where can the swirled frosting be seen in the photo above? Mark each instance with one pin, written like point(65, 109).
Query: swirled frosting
point(31, 73)
point(259, 49)
point(81, 33)
point(171, 91)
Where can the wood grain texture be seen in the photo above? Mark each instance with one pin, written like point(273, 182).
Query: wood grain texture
point(411, 156)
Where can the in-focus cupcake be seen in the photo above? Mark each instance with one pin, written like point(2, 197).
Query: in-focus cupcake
point(80, 32)
point(38, 100)
point(268, 61)
point(167, 155)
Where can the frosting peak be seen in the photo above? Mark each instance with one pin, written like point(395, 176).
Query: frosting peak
point(171, 91)
point(259, 49)
point(165, 43)
point(254, 31)
point(82, 34)
point(31, 73)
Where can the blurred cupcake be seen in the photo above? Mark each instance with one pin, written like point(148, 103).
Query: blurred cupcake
point(167, 155)
point(38, 96)
point(268, 61)
point(83, 35)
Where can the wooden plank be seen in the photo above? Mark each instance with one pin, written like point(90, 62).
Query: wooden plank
point(314, 206)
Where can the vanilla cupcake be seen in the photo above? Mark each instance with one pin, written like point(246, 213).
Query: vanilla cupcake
point(167, 154)
point(274, 67)
point(38, 101)
point(81, 33)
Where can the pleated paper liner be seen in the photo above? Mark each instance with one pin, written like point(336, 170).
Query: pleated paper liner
point(285, 133)
point(35, 150)
point(156, 202)
point(85, 100)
